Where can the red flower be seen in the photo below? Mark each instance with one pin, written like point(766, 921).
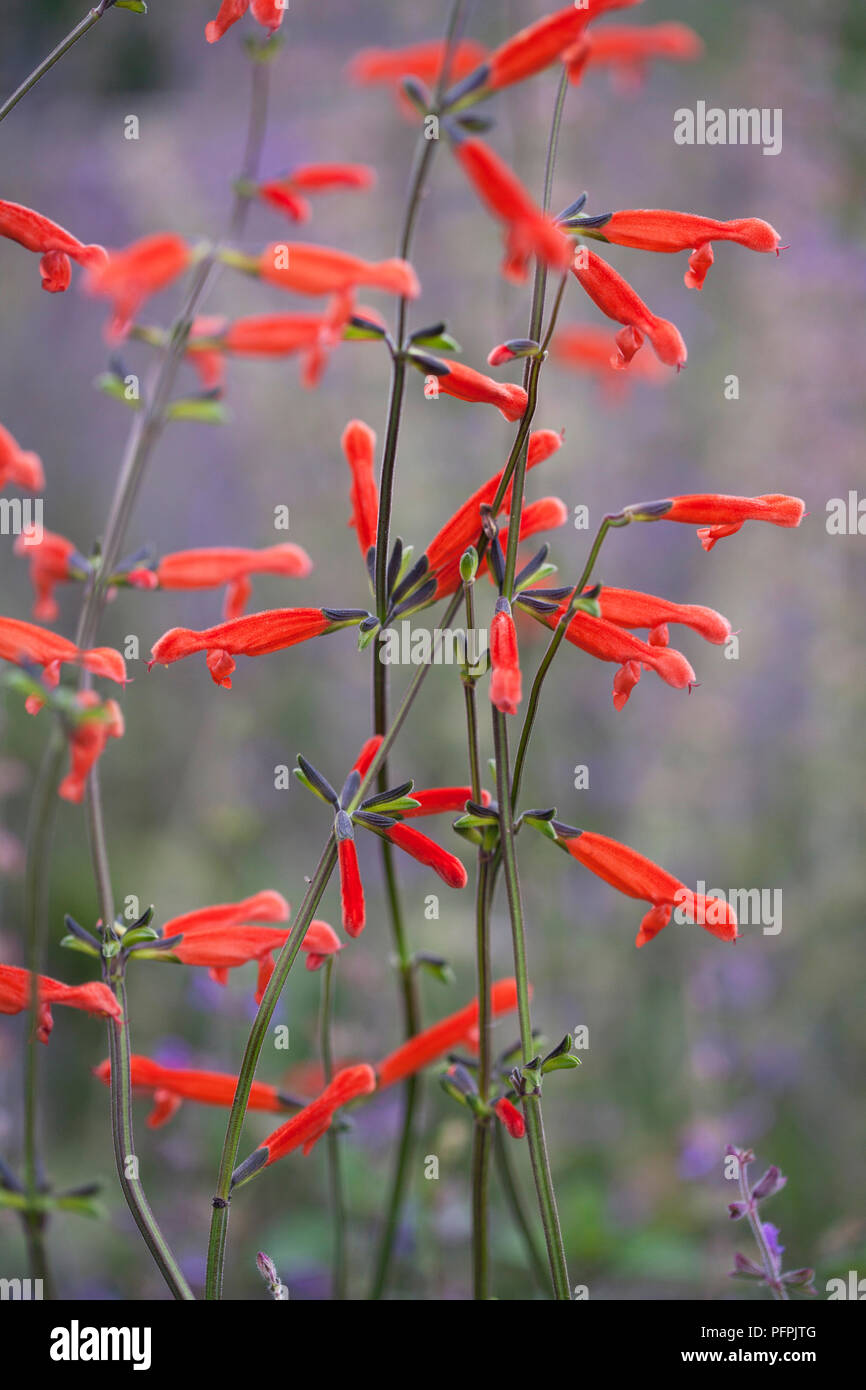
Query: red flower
point(315, 270)
point(505, 682)
point(463, 528)
point(314, 336)
point(423, 61)
point(433, 800)
point(718, 515)
point(308, 1125)
point(590, 348)
point(616, 298)
point(531, 232)
point(173, 1085)
point(131, 276)
point(426, 851)
point(607, 642)
point(100, 722)
point(649, 229)
point(269, 14)
point(457, 1029)
point(256, 634)
point(628, 49)
point(465, 384)
point(49, 566)
point(15, 985)
point(351, 887)
point(545, 514)
point(266, 906)
point(224, 948)
point(369, 749)
point(511, 1118)
point(627, 608)
point(631, 873)
point(211, 568)
point(358, 443)
point(55, 245)
point(19, 466)
point(286, 194)
point(538, 45)
point(23, 643)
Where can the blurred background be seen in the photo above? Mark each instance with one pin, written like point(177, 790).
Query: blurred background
point(752, 781)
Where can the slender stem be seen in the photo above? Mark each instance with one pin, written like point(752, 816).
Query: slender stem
point(483, 1126)
point(82, 27)
point(532, 1100)
point(518, 1212)
point(335, 1174)
point(119, 1056)
point(246, 1075)
point(776, 1287)
point(547, 660)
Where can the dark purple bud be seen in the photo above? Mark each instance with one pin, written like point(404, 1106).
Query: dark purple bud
point(772, 1181)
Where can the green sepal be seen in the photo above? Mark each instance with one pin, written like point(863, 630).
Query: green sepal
point(136, 6)
point(559, 1064)
point(201, 410)
point(74, 943)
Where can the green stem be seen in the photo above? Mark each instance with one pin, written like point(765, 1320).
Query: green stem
point(531, 1101)
point(518, 1212)
point(252, 1052)
point(335, 1174)
point(119, 1051)
point(82, 27)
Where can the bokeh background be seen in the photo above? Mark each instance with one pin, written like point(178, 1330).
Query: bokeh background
point(755, 780)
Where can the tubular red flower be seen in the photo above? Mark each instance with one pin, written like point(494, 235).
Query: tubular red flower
point(173, 1085)
point(87, 742)
point(422, 60)
point(131, 276)
point(628, 608)
point(314, 336)
point(505, 682)
point(463, 528)
point(616, 298)
point(607, 642)
point(49, 566)
point(19, 466)
point(308, 1126)
point(590, 348)
point(315, 270)
point(426, 851)
point(511, 1118)
point(351, 888)
point(457, 1029)
point(538, 45)
point(628, 49)
point(15, 987)
point(285, 194)
point(650, 229)
point(433, 800)
point(23, 643)
point(358, 443)
point(369, 749)
point(638, 877)
point(718, 515)
point(55, 245)
point(210, 568)
point(256, 634)
point(224, 948)
point(466, 384)
point(531, 232)
point(269, 14)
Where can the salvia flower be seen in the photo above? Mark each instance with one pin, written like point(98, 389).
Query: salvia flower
point(268, 13)
point(287, 193)
point(305, 1128)
point(466, 384)
point(93, 998)
point(130, 276)
point(718, 515)
point(587, 347)
point(19, 466)
point(256, 634)
point(311, 336)
point(638, 877)
point(458, 1029)
point(54, 244)
point(530, 232)
point(422, 61)
point(505, 680)
point(604, 640)
point(433, 800)
point(628, 49)
point(540, 44)
point(210, 568)
point(171, 1086)
point(314, 270)
point(53, 560)
point(628, 608)
point(99, 721)
point(510, 1117)
point(358, 443)
point(615, 297)
point(25, 643)
point(650, 229)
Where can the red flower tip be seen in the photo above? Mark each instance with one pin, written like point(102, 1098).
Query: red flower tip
point(87, 742)
point(511, 1118)
point(268, 13)
point(615, 297)
point(15, 990)
point(432, 800)
point(320, 942)
point(308, 1125)
point(505, 681)
point(466, 384)
point(358, 443)
point(426, 851)
point(351, 888)
point(53, 243)
point(364, 760)
point(21, 467)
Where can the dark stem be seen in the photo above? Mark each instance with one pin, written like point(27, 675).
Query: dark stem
point(335, 1167)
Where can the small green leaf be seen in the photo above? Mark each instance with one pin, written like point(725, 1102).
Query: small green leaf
point(137, 6)
point(204, 412)
point(565, 1063)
